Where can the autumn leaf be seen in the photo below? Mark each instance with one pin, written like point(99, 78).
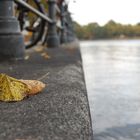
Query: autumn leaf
point(34, 86)
point(12, 89)
point(45, 55)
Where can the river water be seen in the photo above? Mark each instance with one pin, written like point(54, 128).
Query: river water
point(112, 73)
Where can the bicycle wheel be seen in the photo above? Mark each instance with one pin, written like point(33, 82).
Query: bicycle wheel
point(31, 25)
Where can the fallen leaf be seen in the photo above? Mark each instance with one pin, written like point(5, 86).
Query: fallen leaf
point(26, 57)
point(45, 55)
point(39, 49)
point(12, 89)
point(34, 86)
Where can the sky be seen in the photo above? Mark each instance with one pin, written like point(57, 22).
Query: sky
point(101, 11)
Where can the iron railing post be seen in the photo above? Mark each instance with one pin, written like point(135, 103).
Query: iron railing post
point(70, 31)
point(63, 38)
point(11, 40)
point(52, 37)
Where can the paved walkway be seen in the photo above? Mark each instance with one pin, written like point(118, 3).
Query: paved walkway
point(61, 111)
point(112, 71)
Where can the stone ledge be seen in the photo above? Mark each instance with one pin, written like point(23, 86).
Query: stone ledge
point(61, 111)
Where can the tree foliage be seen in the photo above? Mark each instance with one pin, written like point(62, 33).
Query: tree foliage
point(110, 30)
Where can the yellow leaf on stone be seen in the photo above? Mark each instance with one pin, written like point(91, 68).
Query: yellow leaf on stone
point(34, 86)
point(12, 89)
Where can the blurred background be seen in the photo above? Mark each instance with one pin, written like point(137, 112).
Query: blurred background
point(109, 31)
point(102, 19)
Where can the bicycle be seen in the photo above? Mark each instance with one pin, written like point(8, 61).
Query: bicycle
point(32, 26)
point(32, 15)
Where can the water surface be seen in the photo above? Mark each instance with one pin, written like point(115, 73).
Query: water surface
point(112, 72)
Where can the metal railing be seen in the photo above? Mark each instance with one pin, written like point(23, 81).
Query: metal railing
point(55, 8)
point(9, 26)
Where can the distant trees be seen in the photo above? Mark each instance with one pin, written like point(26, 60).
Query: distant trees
point(110, 30)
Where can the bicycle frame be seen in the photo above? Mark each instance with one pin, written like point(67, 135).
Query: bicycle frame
point(41, 13)
point(38, 13)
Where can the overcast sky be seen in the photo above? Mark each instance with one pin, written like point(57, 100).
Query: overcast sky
point(101, 11)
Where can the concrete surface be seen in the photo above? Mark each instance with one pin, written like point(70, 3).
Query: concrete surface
point(61, 111)
point(112, 72)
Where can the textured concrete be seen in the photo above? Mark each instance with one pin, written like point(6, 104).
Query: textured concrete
point(61, 111)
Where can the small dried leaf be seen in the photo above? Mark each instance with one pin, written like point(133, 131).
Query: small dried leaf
point(45, 55)
point(12, 89)
point(34, 86)
point(39, 49)
point(26, 57)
